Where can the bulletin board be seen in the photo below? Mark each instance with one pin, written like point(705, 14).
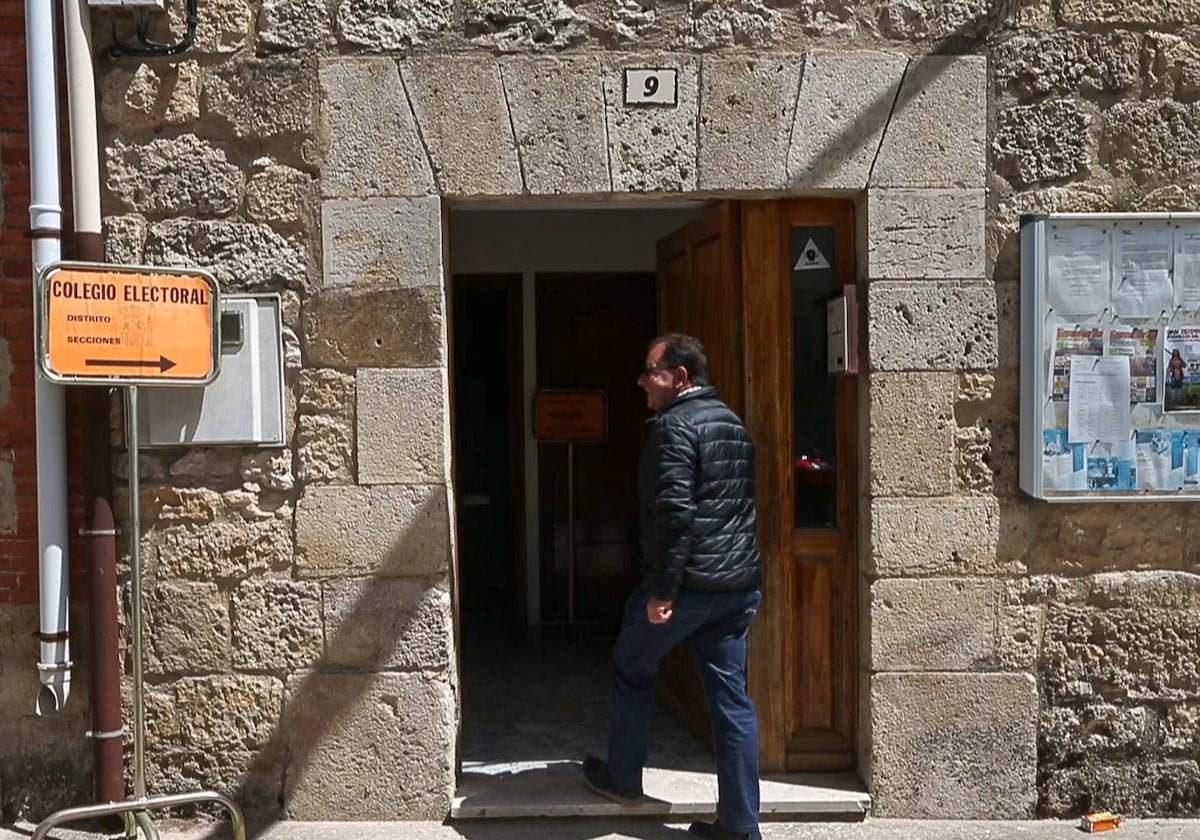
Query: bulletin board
point(1110, 357)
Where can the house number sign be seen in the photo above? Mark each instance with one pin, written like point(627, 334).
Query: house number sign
point(651, 86)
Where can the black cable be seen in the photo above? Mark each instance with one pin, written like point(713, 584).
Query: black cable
point(154, 48)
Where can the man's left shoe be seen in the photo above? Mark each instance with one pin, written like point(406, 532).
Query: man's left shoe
point(715, 831)
point(595, 775)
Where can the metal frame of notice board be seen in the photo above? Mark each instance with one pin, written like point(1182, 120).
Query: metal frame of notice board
point(1078, 272)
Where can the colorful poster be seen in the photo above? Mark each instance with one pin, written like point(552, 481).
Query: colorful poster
point(1112, 467)
point(1064, 465)
point(1069, 342)
point(1181, 368)
point(1159, 459)
point(1191, 462)
point(1141, 346)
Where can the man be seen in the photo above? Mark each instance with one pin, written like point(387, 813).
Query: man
point(702, 571)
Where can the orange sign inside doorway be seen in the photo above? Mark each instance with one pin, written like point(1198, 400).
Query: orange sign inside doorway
point(570, 416)
point(119, 325)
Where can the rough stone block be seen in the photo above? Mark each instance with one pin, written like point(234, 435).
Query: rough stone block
point(1065, 62)
point(380, 624)
point(557, 110)
point(464, 119)
point(226, 548)
point(1129, 12)
point(214, 713)
point(382, 242)
point(1156, 140)
point(369, 140)
point(277, 194)
point(295, 24)
point(151, 95)
point(277, 625)
point(326, 392)
point(124, 239)
point(1142, 654)
point(403, 426)
point(937, 136)
point(350, 328)
point(1142, 787)
point(187, 628)
point(652, 149)
point(954, 746)
point(911, 434)
point(731, 23)
point(523, 25)
point(923, 19)
point(325, 449)
point(932, 326)
point(385, 531)
point(843, 108)
point(1099, 538)
point(263, 98)
point(949, 535)
point(243, 257)
point(747, 108)
point(266, 469)
point(1173, 65)
point(1019, 638)
point(369, 746)
point(393, 25)
point(1048, 141)
point(926, 234)
point(180, 176)
point(933, 624)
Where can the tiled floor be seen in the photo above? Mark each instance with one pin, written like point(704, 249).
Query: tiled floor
point(532, 711)
point(548, 701)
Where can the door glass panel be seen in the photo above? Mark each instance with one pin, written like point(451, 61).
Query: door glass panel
point(814, 408)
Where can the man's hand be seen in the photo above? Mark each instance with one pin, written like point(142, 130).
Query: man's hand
point(659, 611)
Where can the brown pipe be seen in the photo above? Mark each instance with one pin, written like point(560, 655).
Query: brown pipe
point(102, 570)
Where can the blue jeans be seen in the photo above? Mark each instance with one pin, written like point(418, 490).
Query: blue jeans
point(714, 625)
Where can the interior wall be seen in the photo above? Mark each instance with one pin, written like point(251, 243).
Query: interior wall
point(613, 238)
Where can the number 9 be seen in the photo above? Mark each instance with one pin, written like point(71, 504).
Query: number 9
point(651, 85)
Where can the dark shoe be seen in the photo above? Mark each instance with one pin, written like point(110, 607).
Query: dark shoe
point(715, 831)
point(595, 776)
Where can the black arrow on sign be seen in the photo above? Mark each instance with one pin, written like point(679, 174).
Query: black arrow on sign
point(163, 364)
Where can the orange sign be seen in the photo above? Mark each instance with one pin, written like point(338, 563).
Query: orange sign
point(570, 416)
point(127, 325)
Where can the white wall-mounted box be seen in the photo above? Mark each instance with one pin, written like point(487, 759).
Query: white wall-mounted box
point(244, 405)
point(126, 4)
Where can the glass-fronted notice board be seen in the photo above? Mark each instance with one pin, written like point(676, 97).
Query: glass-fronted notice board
point(1110, 357)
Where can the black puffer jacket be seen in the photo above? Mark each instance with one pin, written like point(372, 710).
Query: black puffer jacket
point(696, 499)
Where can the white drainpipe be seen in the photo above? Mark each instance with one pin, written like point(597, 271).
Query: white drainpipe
point(45, 219)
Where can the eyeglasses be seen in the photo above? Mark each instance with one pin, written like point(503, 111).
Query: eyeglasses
point(648, 368)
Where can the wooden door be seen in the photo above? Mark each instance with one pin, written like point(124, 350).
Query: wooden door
point(750, 280)
point(699, 293)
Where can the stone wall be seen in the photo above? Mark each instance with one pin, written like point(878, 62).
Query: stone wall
point(1014, 654)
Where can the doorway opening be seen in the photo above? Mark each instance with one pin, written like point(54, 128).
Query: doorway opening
point(551, 308)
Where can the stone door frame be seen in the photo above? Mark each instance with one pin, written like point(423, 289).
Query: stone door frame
point(906, 136)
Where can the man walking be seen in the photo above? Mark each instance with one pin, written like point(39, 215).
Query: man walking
point(702, 572)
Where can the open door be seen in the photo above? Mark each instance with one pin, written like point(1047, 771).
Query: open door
point(750, 280)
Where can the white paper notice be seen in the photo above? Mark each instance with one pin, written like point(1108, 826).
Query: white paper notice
point(1079, 265)
point(1142, 270)
point(1187, 267)
point(1098, 405)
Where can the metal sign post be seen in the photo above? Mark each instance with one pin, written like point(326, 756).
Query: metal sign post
point(570, 417)
point(100, 324)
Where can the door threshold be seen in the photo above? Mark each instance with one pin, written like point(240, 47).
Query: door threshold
point(498, 790)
